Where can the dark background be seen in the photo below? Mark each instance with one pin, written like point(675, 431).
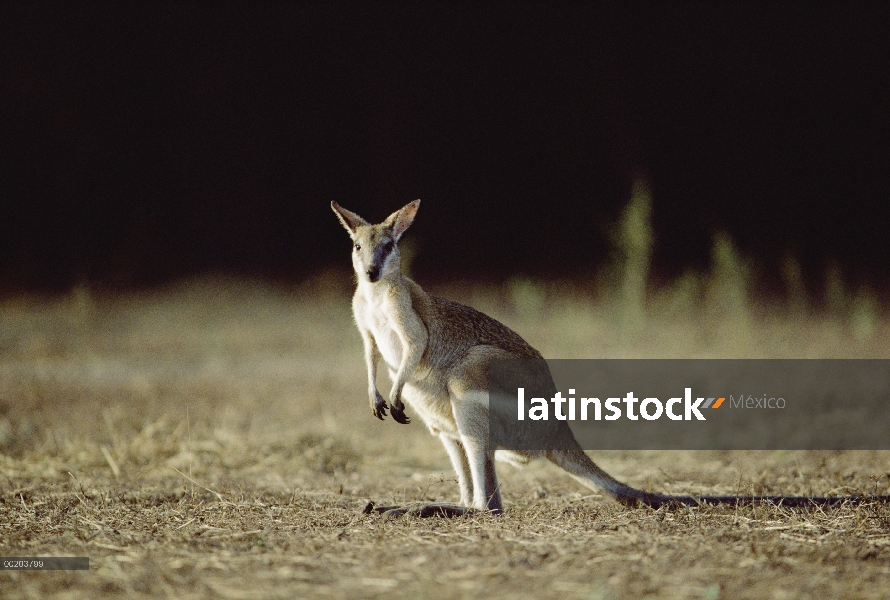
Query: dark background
point(143, 143)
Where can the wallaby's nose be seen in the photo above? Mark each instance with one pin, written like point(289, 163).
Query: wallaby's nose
point(374, 273)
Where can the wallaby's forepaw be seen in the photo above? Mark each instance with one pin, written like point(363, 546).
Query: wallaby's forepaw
point(399, 416)
point(378, 406)
point(398, 412)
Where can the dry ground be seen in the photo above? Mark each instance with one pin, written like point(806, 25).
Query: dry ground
point(213, 440)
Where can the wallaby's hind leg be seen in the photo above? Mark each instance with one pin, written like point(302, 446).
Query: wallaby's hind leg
point(486, 494)
point(471, 415)
point(458, 456)
point(492, 488)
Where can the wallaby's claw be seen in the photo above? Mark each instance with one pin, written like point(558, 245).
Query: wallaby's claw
point(378, 407)
point(399, 415)
point(398, 412)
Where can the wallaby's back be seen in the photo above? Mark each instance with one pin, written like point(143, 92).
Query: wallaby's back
point(455, 328)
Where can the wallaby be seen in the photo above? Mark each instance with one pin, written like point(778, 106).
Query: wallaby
point(438, 354)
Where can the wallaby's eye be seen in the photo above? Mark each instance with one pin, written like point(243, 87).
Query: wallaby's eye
point(358, 246)
point(388, 246)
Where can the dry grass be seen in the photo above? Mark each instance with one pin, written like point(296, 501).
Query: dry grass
point(213, 440)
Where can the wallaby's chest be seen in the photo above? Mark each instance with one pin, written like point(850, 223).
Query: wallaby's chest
point(377, 319)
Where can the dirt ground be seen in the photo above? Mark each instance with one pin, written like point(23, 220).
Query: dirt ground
point(213, 439)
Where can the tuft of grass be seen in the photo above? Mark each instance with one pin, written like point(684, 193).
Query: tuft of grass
point(633, 240)
point(527, 297)
point(864, 315)
point(795, 290)
point(836, 301)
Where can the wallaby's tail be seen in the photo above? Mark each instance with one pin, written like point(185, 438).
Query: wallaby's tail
point(589, 474)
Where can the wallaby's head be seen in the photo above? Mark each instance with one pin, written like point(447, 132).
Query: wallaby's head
point(375, 250)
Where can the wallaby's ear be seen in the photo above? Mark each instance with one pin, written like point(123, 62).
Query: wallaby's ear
point(401, 220)
point(350, 220)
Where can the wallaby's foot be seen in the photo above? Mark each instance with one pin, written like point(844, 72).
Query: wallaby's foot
point(397, 410)
point(378, 406)
point(494, 505)
point(423, 510)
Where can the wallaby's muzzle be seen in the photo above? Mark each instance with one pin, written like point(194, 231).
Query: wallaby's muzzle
point(373, 273)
